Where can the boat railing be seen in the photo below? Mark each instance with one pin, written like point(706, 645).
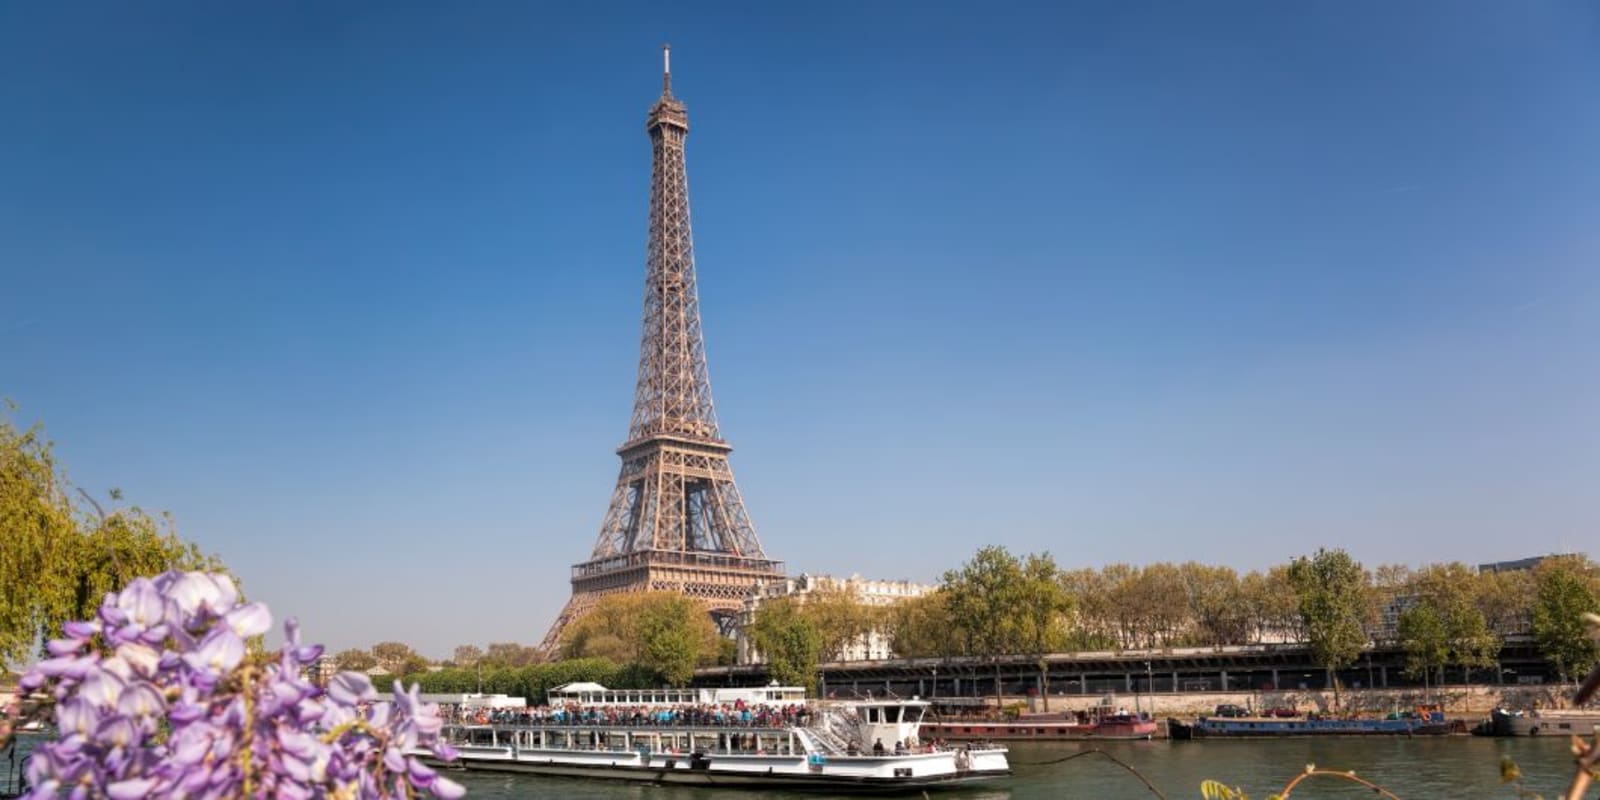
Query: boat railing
point(647, 721)
point(820, 738)
point(842, 725)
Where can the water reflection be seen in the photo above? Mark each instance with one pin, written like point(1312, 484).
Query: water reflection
point(1414, 769)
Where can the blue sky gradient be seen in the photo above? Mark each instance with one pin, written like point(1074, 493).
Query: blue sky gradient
point(354, 290)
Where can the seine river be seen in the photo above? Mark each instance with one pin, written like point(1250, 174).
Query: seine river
point(1448, 768)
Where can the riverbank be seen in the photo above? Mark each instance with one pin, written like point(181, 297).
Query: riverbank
point(1464, 702)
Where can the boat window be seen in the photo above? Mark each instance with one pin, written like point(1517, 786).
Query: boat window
point(872, 715)
point(891, 714)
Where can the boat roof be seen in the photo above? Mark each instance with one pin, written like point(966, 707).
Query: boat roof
point(580, 686)
point(890, 701)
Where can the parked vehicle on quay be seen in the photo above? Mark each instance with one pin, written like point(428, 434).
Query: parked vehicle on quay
point(747, 738)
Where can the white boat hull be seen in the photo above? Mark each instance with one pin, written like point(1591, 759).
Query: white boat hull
point(849, 774)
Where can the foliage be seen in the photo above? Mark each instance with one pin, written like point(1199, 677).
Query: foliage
point(1424, 640)
point(393, 657)
point(840, 618)
point(1444, 624)
point(1566, 590)
point(531, 682)
point(510, 654)
point(919, 627)
point(789, 640)
point(1215, 598)
point(355, 659)
point(999, 604)
point(1123, 606)
point(58, 559)
point(466, 655)
point(664, 632)
point(1331, 587)
point(1506, 599)
point(159, 696)
point(1043, 626)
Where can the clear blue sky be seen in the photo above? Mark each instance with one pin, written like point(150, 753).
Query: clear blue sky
point(354, 289)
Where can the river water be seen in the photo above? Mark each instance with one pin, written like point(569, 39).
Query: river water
point(1415, 769)
point(1445, 768)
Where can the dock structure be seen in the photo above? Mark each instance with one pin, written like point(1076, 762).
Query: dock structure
point(1172, 670)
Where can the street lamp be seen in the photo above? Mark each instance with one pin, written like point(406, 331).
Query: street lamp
point(1150, 680)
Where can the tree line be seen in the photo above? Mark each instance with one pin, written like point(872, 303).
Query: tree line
point(1441, 616)
point(999, 604)
point(63, 551)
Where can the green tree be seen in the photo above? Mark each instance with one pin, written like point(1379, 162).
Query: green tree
point(664, 632)
point(676, 634)
point(1274, 605)
point(1216, 604)
point(1094, 627)
point(1506, 598)
point(919, 627)
point(1566, 590)
point(1448, 592)
point(58, 559)
point(412, 666)
point(355, 659)
point(1334, 607)
point(466, 655)
point(1045, 625)
point(1425, 640)
point(839, 616)
point(993, 609)
point(985, 600)
point(789, 641)
point(393, 656)
point(509, 654)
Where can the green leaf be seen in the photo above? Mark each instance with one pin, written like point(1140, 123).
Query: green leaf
point(1509, 771)
point(1216, 790)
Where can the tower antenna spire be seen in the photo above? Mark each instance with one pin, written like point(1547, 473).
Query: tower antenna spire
point(666, 69)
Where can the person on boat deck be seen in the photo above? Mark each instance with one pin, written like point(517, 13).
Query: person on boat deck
point(899, 748)
point(877, 748)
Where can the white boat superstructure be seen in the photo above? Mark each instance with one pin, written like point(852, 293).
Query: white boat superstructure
point(867, 746)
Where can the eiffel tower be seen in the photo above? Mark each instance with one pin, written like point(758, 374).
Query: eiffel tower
point(676, 521)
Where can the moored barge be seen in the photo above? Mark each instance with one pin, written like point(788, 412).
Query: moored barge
point(1107, 721)
point(1421, 723)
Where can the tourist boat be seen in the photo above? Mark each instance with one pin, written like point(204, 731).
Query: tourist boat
point(1543, 722)
point(1423, 722)
point(748, 738)
point(1105, 721)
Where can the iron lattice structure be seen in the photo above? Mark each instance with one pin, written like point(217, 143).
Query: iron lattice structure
point(676, 521)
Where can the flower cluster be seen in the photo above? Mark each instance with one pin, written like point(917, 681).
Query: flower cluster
point(160, 696)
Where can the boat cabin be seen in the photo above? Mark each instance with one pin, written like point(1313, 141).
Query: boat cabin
point(593, 694)
point(889, 721)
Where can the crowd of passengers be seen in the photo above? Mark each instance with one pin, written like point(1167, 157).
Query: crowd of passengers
point(737, 714)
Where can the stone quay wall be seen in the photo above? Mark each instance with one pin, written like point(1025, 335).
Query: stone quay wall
point(1466, 702)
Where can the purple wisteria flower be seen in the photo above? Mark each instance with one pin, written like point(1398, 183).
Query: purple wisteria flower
point(159, 696)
